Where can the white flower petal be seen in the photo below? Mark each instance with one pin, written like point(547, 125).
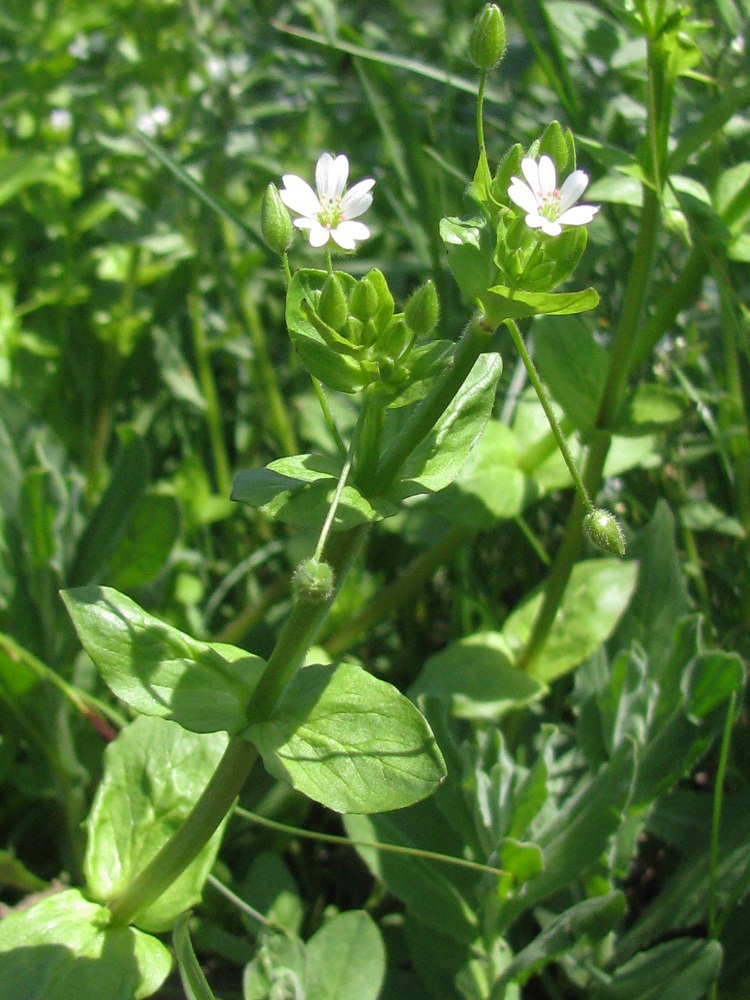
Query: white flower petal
point(522, 195)
point(353, 230)
point(319, 236)
point(530, 170)
point(551, 228)
point(343, 239)
point(572, 189)
point(341, 174)
point(547, 176)
point(579, 215)
point(534, 221)
point(299, 196)
point(357, 200)
point(330, 176)
point(306, 223)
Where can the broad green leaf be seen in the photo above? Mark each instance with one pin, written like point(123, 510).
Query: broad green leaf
point(676, 970)
point(490, 487)
point(573, 366)
point(595, 598)
point(346, 959)
point(299, 491)
point(438, 460)
point(592, 919)
point(426, 887)
point(194, 981)
point(502, 303)
point(160, 671)
point(19, 170)
point(477, 679)
point(154, 773)
point(63, 949)
point(350, 741)
point(702, 515)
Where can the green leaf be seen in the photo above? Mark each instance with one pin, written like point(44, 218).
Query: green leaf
point(439, 458)
point(19, 171)
point(338, 370)
point(428, 888)
point(299, 490)
point(596, 597)
point(62, 949)
point(573, 366)
point(702, 515)
point(194, 981)
point(490, 486)
point(476, 677)
point(579, 832)
point(153, 775)
point(346, 959)
point(470, 251)
point(592, 919)
point(160, 671)
point(502, 303)
point(350, 741)
point(677, 970)
point(270, 889)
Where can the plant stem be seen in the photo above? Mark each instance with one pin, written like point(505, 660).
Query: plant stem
point(473, 341)
point(623, 358)
point(188, 841)
point(541, 393)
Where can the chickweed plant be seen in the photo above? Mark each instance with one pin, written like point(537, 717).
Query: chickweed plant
point(385, 713)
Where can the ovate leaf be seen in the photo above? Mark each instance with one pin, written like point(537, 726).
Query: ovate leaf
point(596, 596)
point(160, 671)
point(350, 741)
point(63, 949)
point(346, 959)
point(154, 773)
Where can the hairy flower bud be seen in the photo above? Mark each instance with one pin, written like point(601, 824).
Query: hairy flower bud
point(275, 221)
point(313, 580)
point(605, 532)
point(421, 313)
point(364, 302)
point(487, 42)
point(333, 308)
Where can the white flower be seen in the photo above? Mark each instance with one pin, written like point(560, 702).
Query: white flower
point(151, 121)
point(548, 207)
point(330, 212)
point(60, 120)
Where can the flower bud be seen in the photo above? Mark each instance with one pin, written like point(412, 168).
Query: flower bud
point(487, 42)
point(421, 313)
point(275, 221)
point(605, 532)
point(553, 144)
point(313, 580)
point(333, 308)
point(364, 302)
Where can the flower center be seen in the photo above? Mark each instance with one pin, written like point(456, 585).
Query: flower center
point(549, 205)
point(330, 215)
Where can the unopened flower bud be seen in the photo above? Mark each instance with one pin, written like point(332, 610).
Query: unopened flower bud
point(313, 580)
point(605, 532)
point(421, 313)
point(553, 144)
point(364, 302)
point(487, 42)
point(275, 221)
point(333, 308)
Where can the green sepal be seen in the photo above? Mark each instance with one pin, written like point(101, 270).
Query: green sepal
point(553, 144)
point(501, 303)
